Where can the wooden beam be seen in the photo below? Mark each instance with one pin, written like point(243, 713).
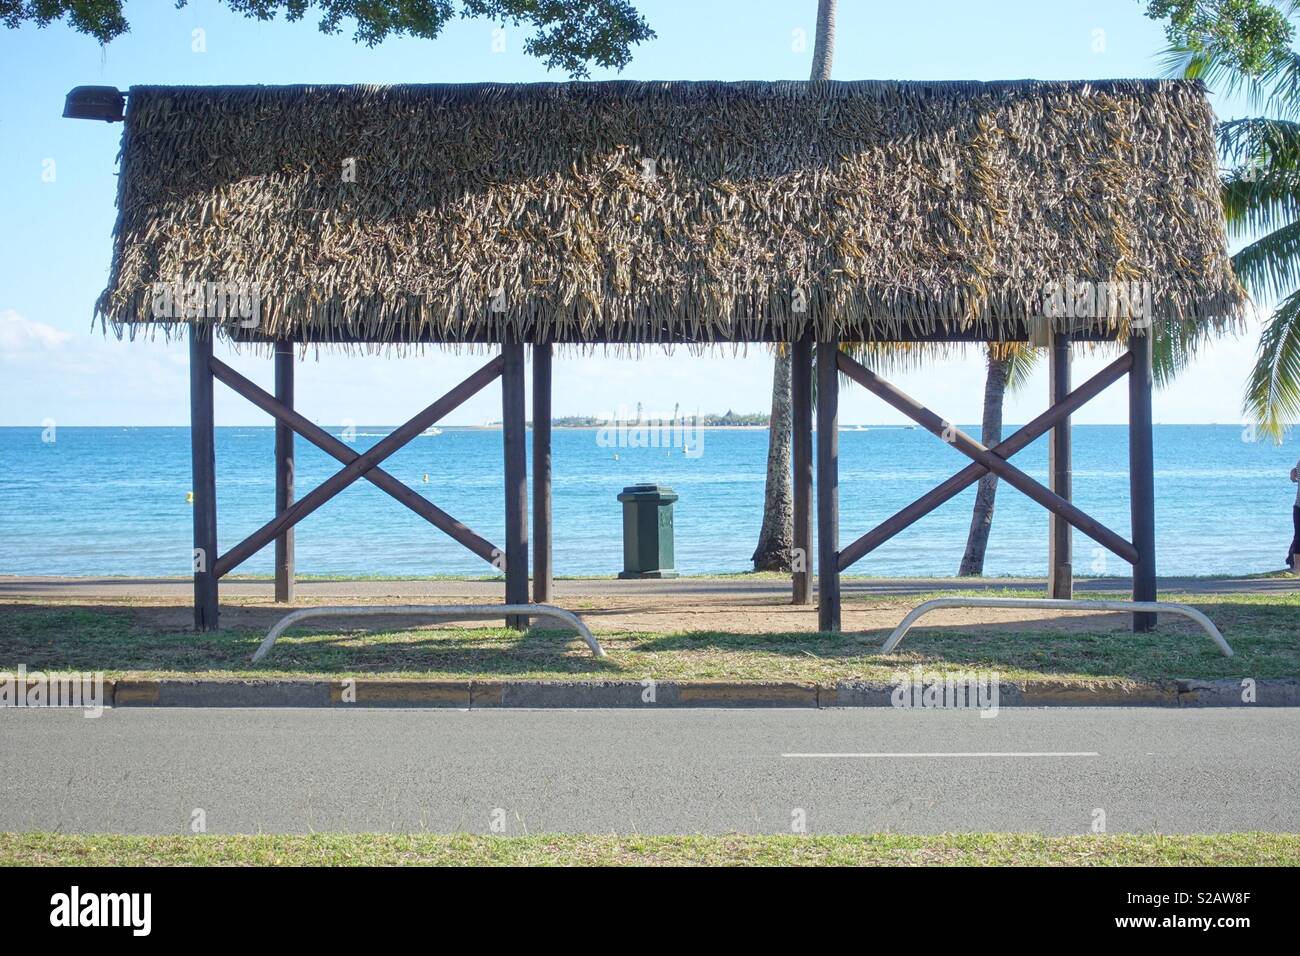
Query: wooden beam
point(972, 449)
point(828, 488)
point(1060, 569)
point(542, 573)
point(376, 476)
point(363, 463)
point(973, 472)
point(802, 455)
point(284, 464)
point(1141, 476)
point(203, 461)
point(514, 442)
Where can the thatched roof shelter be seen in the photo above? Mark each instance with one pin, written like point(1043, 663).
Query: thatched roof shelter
point(648, 212)
point(818, 214)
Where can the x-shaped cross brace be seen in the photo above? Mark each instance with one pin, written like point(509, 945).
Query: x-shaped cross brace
point(986, 460)
point(356, 465)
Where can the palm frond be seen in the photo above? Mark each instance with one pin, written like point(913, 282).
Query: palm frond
point(1174, 345)
point(1172, 350)
point(1261, 138)
point(1275, 89)
point(1273, 390)
point(1263, 190)
point(1021, 358)
point(1270, 266)
point(1257, 201)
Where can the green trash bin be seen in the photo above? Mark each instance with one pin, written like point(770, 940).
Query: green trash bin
point(648, 531)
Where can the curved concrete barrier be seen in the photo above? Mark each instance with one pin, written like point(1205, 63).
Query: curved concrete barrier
point(1055, 604)
point(446, 612)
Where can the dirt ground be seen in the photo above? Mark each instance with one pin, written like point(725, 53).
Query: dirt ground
point(733, 616)
point(731, 605)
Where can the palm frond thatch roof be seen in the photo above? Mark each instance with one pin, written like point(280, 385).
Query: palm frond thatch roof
point(646, 212)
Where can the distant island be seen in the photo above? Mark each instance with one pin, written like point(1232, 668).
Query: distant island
point(627, 419)
point(750, 419)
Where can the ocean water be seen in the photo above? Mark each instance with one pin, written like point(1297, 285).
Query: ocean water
point(112, 501)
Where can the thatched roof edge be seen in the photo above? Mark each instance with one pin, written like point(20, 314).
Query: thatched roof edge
point(787, 270)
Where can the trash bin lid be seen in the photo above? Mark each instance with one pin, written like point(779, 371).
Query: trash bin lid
point(648, 492)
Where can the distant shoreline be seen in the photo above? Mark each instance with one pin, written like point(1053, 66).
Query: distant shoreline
point(628, 426)
point(669, 427)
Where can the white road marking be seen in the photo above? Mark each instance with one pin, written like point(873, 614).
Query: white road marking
point(969, 753)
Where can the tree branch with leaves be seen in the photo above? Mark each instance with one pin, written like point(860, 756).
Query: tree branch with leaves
point(570, 35)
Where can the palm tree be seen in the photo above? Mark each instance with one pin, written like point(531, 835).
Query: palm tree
point(1262, 195)
point(1010, 366)
point(1261, 201)
point(776, 537)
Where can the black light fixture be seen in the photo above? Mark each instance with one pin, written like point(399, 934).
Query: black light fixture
point(106, 103)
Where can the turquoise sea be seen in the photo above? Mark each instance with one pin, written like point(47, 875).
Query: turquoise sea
point(112, 501)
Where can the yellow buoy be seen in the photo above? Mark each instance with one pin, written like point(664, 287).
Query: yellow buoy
point(426, 478)
point(189, 497)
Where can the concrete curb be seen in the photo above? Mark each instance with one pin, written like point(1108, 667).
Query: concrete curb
point(1267, 692)
point(214, 693)
point(1272, 692)
point(475, 695)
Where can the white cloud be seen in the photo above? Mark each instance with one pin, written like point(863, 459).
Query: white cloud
point(81, 377)
point(20, 334)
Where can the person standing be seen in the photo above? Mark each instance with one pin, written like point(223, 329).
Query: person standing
point(1295, 519)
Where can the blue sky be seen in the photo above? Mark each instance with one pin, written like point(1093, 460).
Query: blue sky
point(56, 210)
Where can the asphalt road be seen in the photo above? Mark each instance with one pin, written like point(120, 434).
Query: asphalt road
point(681, 771)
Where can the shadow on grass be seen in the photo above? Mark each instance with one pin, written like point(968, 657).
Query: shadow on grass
point(1266, 640)
point(85, 638)
point(113, 639)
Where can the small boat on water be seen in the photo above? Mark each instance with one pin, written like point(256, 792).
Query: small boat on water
point(431, 431)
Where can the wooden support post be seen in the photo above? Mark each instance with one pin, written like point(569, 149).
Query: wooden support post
point(802, 455)
point(513, 432)
point(542, 570)
point(284, 441)
point(1060, 569)
point(1141, 467)
point(828, 487)
point(203, 460)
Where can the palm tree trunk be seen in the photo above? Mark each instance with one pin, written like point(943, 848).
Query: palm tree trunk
point(776, 538)
point(824, 45)
point(995, 388)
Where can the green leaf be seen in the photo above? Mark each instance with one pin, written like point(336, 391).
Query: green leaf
point(1273, 391)
point(1270, 267)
